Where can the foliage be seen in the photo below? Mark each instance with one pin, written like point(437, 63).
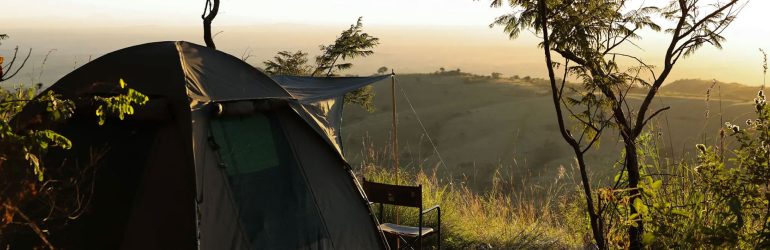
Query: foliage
point(589, 34)
point(120, 105)
point(31, 145)
point(738, 190)
point(363, 97)
point(287, 63)
point(352, 43)
point(616, 200)
point(382, 70)
point(44, 198)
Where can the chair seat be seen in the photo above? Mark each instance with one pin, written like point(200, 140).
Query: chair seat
point(402, 230)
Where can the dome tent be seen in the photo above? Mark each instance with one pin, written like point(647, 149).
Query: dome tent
point(222, 157)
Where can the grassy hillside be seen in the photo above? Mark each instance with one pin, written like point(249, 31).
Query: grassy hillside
point(481, 125)
point(698, 87)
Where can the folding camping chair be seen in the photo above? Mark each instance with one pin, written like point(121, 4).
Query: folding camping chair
point(407, 196)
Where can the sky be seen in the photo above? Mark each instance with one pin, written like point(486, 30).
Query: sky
point(416, 35)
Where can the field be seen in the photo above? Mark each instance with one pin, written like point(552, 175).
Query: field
point(482, 125)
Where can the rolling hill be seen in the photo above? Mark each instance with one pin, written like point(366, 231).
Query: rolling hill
point(482, 125)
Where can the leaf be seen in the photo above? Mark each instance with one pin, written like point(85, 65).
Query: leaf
point(736, 208)
point(680, 212)
point(641, 208)
point(122, 84)
point(656, 184)
point(618, 176)
point(647, 238)
point(646, 191)
point(36, 164)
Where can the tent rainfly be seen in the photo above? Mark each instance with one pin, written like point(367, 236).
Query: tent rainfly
point(222, 156)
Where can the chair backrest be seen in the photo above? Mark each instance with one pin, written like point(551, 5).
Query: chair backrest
point(393, 194)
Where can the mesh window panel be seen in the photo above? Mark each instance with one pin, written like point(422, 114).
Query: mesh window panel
point(276, 208)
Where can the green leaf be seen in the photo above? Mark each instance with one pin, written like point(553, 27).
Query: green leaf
point(648, 238)
point(36, 165)
point(641, 208)
point(656, 184)
point(680, 212)
point(122, 84)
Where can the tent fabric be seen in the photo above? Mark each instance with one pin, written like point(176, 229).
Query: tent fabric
point(309, 89)
point(276, 207)
point(337, 200)
point(348, 224)
point(325, 118)
point(213, 76)
point(217, 220)
point(320, 101)
point(164, 182)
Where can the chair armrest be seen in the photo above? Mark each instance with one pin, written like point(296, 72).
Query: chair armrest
point(436, 207)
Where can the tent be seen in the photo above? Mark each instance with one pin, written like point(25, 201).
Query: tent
point(222, 156)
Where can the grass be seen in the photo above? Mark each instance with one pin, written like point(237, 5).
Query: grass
point(503, 217)
point(486, 204)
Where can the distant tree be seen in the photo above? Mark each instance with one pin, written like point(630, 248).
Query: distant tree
point(527, 78)
point(287, 63)
point(352, 43)
point(587, 34)
point(515, 77)
point(382, 70)
point(442, 70)
point(496, 75)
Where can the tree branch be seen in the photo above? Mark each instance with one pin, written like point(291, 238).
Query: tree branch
point(210, 11)
point(6, 76)
point(644, 123)
point(670, 58)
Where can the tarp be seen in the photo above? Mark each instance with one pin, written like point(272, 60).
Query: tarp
point(308, 89)
point(321, 99)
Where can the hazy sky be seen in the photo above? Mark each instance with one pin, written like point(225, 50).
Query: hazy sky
point(416, 35)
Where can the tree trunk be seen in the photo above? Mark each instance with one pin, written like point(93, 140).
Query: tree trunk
point(596, 224)
point(207, 20)
point(596, 219)
point(632, 165)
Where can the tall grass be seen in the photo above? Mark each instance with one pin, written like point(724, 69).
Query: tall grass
point(500, 218)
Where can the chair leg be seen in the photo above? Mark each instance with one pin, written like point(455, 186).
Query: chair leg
point(406, 243)
point(439, 230)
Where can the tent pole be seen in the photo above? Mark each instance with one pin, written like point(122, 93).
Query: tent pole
point(395, 140)
point(395, 122)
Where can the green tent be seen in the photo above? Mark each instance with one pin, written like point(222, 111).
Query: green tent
point(222, 157)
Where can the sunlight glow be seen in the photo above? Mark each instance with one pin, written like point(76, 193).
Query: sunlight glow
point(416, 35)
